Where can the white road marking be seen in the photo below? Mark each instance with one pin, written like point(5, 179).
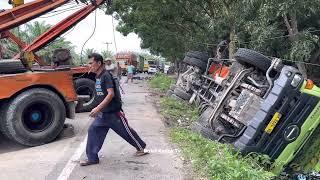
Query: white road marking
point(67, 170)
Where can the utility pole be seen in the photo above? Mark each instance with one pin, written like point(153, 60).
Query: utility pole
point(107, 43)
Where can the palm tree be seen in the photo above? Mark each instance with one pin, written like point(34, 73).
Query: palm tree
point(30, 32)
point(107, 54)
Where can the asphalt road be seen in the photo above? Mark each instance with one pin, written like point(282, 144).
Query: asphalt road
point(59, 159)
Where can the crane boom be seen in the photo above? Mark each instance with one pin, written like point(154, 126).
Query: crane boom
point(19, 15)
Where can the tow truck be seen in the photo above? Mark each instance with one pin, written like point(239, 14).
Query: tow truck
point(35, 100)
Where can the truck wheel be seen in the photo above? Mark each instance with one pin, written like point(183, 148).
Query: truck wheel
point(204, 117)
point(85, 86)
point(11, 66)
point(177, 97)
point(204, 131)
point(34, 117)
point(173, 86)
point(202, 125)
point(182, 94)
point(195, 62)
point(198, 55)
point(248, 56)
point(169, 93)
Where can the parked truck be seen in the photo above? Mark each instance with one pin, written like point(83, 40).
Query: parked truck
point(126, 58)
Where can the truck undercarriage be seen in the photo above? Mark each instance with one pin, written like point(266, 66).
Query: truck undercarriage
point(255, 103)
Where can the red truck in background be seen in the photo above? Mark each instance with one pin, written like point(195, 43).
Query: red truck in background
point(124, 59)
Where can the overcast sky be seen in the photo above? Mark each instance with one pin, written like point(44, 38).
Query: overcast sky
point(84, 29)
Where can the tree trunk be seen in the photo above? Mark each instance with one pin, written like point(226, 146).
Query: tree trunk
point(292, 27)
point(232, 44)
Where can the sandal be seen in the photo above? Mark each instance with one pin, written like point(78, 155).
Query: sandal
point(141, 153)
point(87, 163)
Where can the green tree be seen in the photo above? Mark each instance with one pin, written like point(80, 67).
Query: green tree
point(287, 29)
point(107, 54)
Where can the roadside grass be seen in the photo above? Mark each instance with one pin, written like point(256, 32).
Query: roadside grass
point(161, 82)
point(178, 112)
point(217, 161)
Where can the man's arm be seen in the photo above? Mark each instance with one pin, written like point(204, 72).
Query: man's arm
point(107, 99)
point(103, 104)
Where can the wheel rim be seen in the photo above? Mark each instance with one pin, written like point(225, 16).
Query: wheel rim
point(37, 116)
point(85, 90)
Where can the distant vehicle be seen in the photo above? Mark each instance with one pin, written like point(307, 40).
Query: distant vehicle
point(152, 69)
point(143, 65)
point(124, 59)
point(166, 69)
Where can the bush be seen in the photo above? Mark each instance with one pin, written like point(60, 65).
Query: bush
point(161, 82)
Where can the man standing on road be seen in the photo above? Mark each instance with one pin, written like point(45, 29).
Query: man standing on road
point(130, 72)
point(108, 114)
point(113, 70)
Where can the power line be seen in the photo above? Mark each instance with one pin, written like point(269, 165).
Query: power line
point(68, 31)
point(62, 11)
point(94, 30)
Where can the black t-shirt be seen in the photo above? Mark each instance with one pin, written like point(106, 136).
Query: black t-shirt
point(103, 82)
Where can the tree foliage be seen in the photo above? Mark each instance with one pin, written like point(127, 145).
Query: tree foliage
point(288, 29)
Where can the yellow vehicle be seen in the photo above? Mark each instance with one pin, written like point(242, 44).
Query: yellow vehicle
point(145, 66)
point(16, 3)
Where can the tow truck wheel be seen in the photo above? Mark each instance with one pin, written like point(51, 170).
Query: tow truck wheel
point(85, 86)
point(34, 117)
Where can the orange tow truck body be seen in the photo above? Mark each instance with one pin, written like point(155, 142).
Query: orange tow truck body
point(35, 101)
point(60, 81)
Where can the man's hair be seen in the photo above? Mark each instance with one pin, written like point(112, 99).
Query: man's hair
point(96, 57)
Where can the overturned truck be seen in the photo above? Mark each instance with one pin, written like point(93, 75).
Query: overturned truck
point(259, 105)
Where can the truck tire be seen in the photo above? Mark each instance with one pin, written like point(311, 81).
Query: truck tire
point(204, 117)
point(253, 58)
point(34, 117)
point(177, 97)
point(11, 66)
point(202, 125)
point(182, 94)
point(169, 93)
point(85, 86)
point(172, 87)
point(198, 55)
point(204, 131)
point(195, 62)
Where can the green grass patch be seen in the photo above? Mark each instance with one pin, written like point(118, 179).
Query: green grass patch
point(176, 110)
point(215, 160)
point(161, 82)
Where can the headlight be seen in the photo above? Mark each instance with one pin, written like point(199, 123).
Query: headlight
point(296, 80)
